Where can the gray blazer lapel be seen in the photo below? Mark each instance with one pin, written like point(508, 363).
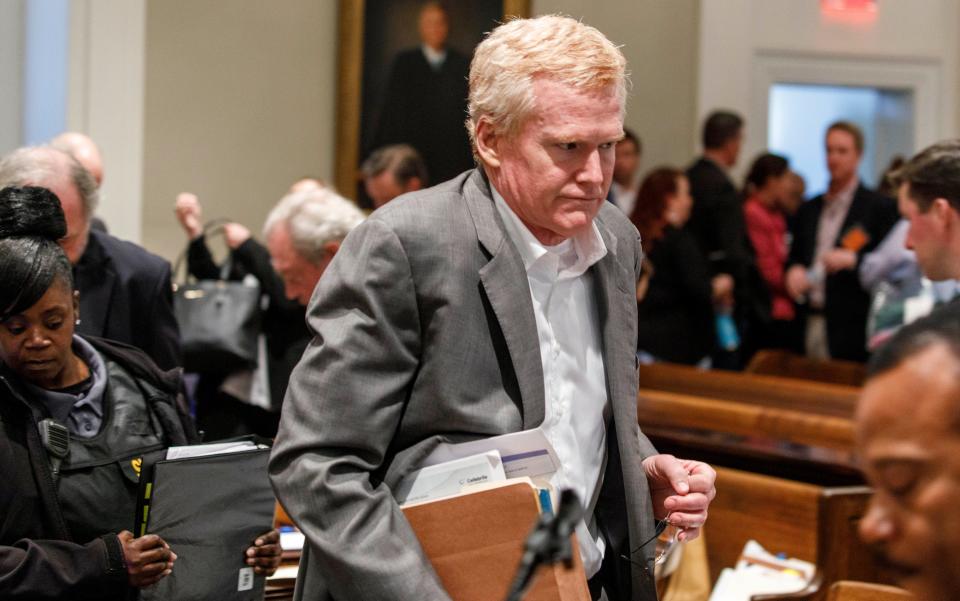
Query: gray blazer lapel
point(505, 283)
point(617, 293)
point(614, 293)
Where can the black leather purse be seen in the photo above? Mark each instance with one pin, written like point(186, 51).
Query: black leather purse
point(219, 319)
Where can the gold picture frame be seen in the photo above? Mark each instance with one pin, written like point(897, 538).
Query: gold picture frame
point(350, 66)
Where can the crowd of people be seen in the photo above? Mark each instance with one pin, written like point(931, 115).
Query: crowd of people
point(762, 268)
point(516, 295)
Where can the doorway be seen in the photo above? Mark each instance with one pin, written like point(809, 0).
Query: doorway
point(799, 114)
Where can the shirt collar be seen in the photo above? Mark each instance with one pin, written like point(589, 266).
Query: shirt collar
point(588, 244)
point(844, 196)
point(434, 57)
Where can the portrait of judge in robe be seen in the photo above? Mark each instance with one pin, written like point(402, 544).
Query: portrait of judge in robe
point(416, 60)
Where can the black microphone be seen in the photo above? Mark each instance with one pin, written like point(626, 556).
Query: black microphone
point(548, 542)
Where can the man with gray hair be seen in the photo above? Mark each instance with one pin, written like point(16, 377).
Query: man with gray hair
point(125, 292)
point(499, 301)
point(391, 171)
point(303, 233)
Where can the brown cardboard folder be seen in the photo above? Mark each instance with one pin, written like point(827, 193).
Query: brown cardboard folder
point(475, 541)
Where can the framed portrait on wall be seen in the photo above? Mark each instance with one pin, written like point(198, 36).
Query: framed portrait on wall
point(402, 70)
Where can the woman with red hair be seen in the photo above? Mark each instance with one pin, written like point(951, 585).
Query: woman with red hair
point(675, 315)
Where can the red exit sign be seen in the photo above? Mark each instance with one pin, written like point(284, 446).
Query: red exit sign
point(852, 11)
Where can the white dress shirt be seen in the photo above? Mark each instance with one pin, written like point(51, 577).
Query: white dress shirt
point(834, 213)
point(574, 381)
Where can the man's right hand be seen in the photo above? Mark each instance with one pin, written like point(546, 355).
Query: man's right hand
point(148, 558)
point(796, 282)
point(189, 214)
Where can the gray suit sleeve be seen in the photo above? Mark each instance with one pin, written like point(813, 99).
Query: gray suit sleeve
point(342, 410)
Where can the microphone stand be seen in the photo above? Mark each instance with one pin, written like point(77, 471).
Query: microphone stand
point(548, 543)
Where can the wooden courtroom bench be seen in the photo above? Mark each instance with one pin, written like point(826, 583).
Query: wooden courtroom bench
point(771, 391)
point(752, 437)
point(786, 478)
point(810, 522)
point(790, 365)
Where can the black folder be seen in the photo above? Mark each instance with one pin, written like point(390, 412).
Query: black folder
point(209, 510)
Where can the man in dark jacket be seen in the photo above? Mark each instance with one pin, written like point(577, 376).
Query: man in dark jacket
point(718, 226)
point(831, 235)
point(125, 291)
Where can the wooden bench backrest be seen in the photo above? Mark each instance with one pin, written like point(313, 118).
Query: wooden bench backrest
point(847, 590)
point(667, 409)
point(791, 365)
point(770, 391)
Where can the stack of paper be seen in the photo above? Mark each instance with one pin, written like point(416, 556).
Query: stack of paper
point(759, 572)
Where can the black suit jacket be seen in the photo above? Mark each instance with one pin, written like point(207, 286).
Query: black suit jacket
point(426, 108)
point(718, 225)
point(675, 317)
point(284, 321)
point(847, 303)
point(125, 295)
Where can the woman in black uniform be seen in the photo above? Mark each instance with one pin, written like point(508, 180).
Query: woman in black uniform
point(63, 515)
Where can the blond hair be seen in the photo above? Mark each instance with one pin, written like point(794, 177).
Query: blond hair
point(513, 55)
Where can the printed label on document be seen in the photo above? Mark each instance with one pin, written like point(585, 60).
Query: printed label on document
point(245, 582)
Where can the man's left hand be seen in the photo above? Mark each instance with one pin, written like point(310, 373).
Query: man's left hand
point(264, 555)
point(682, 491)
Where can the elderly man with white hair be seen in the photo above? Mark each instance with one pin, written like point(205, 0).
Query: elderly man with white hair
point(303, 233)
point(499, 301)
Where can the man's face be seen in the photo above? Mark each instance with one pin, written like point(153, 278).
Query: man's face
point(382, 188)
point(556, 171)
point(733, 147)
point(842, 155)
point(299, 276)
point(433, 27)
point(626, 163)
point(78, 226)
point(927, 237)
point(908, 438)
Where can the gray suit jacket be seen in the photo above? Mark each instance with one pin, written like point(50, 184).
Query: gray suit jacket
point(424, 333)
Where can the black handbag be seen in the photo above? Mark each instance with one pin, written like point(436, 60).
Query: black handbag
point(219, 319)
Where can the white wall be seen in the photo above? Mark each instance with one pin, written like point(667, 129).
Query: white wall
point(660, 39)
point(11, 73)
point(105, 101)
point(239, 103)
point(910, 42)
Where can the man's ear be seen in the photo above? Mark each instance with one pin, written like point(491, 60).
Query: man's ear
point(76, 306)
point(945, 213)
point(413, 184)
point(331, 247)
point(487, 140)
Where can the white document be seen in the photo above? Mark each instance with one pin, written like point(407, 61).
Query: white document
point(445, 479)
point(218, 448)
point(526, 453)
point(758, 573)
point(292, 541)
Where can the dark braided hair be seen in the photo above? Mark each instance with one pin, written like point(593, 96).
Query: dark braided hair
point(31, 223)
